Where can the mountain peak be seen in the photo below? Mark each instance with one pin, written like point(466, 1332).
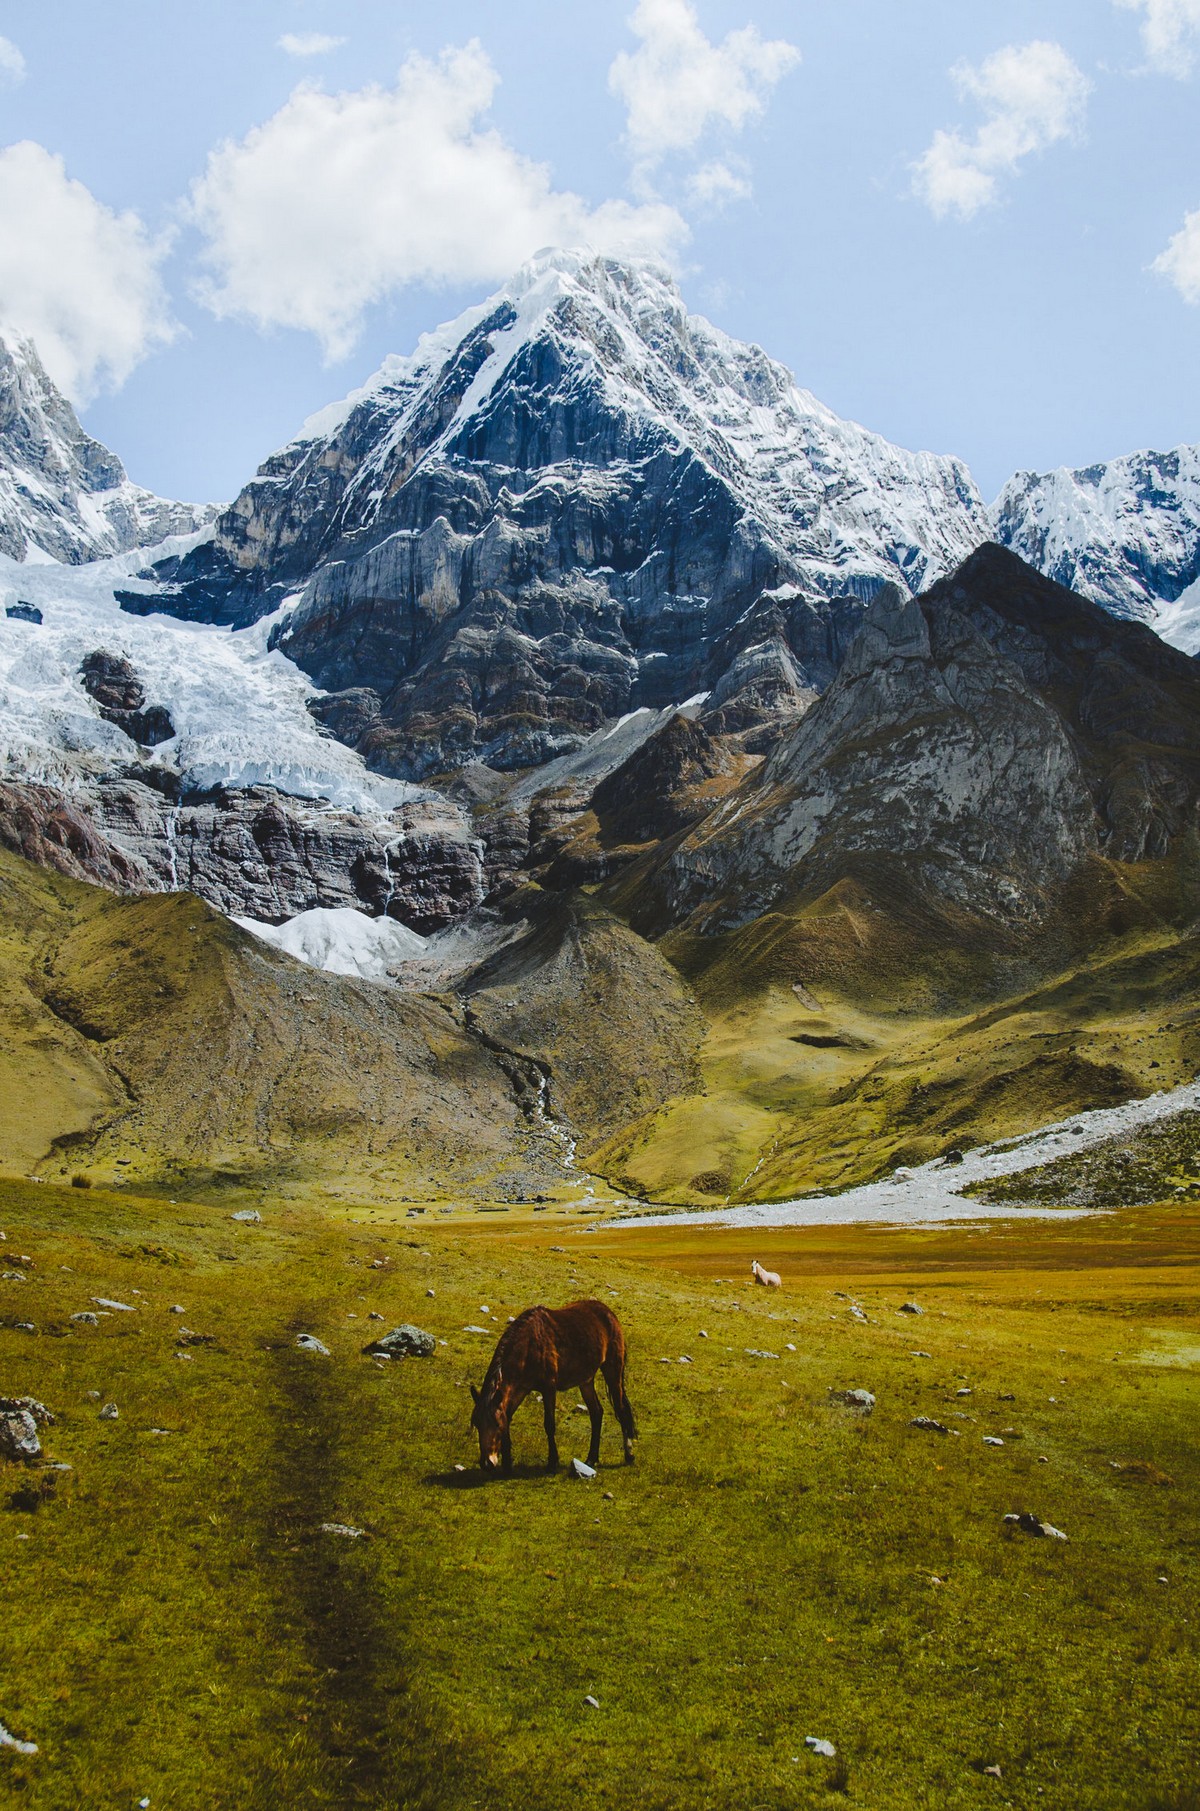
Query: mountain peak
point(64, 496)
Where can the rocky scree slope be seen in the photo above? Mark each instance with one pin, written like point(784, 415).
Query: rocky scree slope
point(980, 743)
point(63, 496)
point(574, 501)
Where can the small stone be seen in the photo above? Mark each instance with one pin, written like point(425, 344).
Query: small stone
point(85, 1318)
point(962, 1392)
point(176, 1308)
point(92, 1395)
point(994, 1772)
point(1163, 1579)
point(406, 1341)
point(374, 1315)
point(819, 1745)
point(186, 1337)
point(910, 1308)
point(921, 1355)
point(249, 1216)
point(343, 1528)
point(855, 1399)
point(460, 1468)
point(308, 1342)
point(110, 1412)
point(102, 1301)
point(702, 1334)
point(609, 1498)
point(928, 1425)
point(580, 1470)
point(8, 1740)
point(429, 1292)
point(25, 1327)
point(593, 1703)
point(992, 1440)
point(1006, 1396)
point(1031, 1524)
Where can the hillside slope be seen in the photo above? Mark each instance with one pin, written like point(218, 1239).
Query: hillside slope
point(151, 1041)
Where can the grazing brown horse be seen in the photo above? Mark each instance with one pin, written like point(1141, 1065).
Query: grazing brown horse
point(552, 1349)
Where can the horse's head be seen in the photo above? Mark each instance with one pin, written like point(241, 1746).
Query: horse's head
point(491, 1424)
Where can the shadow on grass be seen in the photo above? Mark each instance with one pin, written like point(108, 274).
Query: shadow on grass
point(381, 1746)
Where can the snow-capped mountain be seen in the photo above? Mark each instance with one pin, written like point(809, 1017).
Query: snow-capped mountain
point(152, 754)
point(1125, 533)
point(573, 501)
point(63, 496)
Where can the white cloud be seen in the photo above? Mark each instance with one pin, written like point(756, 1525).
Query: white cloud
point(677, 85)
point(1033, 95)
point(714, 185)
point(340, 199)
point(1181, 260)
point(74, 276)
point(12, 63)
point(308, 43)
point(1169, 31)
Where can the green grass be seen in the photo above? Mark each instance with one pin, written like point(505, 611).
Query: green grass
point(176, 1626)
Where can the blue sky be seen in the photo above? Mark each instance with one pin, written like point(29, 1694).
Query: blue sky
point(1023, 290)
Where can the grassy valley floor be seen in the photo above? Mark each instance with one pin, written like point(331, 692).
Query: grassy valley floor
point(175, 1626)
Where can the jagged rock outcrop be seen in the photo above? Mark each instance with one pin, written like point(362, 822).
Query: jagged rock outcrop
point(61, 492)
point(252, 851)
point(1125, 533)
point(112, 682)
point(575, 501)
point(983, 740)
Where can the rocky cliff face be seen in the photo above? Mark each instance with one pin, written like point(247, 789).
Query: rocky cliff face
point(62, 494)
point(982, 741)
point(575, 501)
point(1125, 533)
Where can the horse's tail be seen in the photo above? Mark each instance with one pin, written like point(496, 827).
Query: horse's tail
point(614, 1378)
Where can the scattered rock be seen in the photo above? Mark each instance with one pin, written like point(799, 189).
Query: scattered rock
point(431, 1292)
point(992, 1440)
point(751, 1352)
point(185, 1337)
point(1006, 1396)
point(994, 1772)
point(25, 1327)
point(580, 1470)
point(1030, 1524)
point(818, 1744)
point(928, 1425)
point(593, 1703)
point(308, 1342)
point(910, 1308)
point(374, 1315)
point(13, 1276)
point(343, 1528)
point(85, 1318)
point(407, 1341)
point(8, 1740)
point(30, 1405)
point(19, 1435)
point(922, 1355)
point(702, 1334)
point(110, 1412)
point(102, 1301)
point(484, 1330)
point(609, 1498)
point(176, 1308)
point(855, 1399)
point(249, 1216)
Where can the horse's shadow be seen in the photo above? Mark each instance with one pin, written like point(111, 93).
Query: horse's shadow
point(474, 1479)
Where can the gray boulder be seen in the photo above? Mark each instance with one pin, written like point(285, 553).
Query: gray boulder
point(403, 1342)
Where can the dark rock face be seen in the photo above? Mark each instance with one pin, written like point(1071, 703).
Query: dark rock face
point(575, 502)
point(255, 852)
point(120, 695)
point(60, 490)
point(655, 793)
point(984, 739)
point(23, 613)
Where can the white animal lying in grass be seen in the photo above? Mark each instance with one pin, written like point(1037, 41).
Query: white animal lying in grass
point(770, 1279)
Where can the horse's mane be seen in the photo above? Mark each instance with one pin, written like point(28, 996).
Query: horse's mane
point(494, 1376)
